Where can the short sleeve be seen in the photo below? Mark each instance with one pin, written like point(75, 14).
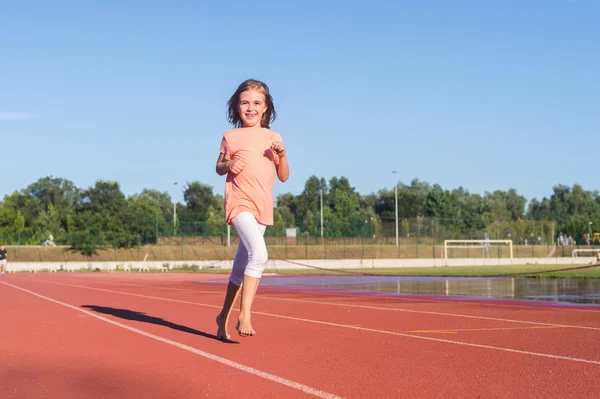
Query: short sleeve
point(225, 148)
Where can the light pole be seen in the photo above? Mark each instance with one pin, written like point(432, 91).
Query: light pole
point(156, 228)
point(590, 234)
point(321, 195)
point(174, 214)
point(396, 201)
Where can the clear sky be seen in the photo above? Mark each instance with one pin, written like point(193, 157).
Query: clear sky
point(487, 95)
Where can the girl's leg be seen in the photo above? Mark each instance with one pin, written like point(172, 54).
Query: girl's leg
point(251, 234)
point(235, 281)
point(249, 288)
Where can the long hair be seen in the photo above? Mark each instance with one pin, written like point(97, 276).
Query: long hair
point(233, 115)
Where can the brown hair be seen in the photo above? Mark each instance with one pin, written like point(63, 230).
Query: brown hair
point(233, 115)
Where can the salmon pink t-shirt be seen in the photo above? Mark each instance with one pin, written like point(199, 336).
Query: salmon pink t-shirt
point(252, 189)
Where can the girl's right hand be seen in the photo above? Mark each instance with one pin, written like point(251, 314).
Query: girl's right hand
point(235, 166)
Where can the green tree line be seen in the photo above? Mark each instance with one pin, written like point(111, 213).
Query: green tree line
point(101, 215)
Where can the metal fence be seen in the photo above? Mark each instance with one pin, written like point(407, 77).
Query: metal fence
point(373, 239)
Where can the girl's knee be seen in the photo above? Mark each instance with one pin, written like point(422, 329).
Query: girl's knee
point(260, 256)
point(257, 264)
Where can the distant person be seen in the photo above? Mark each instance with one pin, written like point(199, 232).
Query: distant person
point(50, 241)
point(251, 155)
point(2, 259)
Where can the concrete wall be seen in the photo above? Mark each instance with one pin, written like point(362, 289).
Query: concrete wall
point(298, 264)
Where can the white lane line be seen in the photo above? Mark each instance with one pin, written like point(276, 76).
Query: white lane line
point(346, 305)
point(230, 363)
point(359, 328)
point(402, 299)
point(436, 313)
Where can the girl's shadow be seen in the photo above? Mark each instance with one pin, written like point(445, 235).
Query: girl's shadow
point(144, 318)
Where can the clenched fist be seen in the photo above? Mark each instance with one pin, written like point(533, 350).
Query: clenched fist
point(235, 166)
point(278, 148)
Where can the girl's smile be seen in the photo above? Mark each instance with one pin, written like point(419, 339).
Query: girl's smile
point(252, 107)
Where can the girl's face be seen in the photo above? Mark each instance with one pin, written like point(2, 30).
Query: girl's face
point(252, 107)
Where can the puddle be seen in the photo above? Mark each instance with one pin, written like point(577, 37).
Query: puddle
point(580, 291)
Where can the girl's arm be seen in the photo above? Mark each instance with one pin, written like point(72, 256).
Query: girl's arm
point(225, 166)
point(222, 165)
point(282, 167)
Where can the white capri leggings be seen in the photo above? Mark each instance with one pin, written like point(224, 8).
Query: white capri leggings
point(251, 255)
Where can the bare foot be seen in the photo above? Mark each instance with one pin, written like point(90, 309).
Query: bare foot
point(222, 328)
point(244, 327)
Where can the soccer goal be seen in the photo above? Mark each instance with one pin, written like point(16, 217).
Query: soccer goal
point(478, 249)
point(596, 252)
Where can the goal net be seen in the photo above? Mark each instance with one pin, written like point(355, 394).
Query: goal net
point(478, 249)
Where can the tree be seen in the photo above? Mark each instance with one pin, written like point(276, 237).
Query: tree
point(411, 199)
point(198, 198)
point(572, 209)
point(58, 193)
point(101, 209)
point(49, 222)
point(216, 222)
point(385, 205)
point(289, 201)
point(309, 199)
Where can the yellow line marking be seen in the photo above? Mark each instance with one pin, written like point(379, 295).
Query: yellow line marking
point(457, 330)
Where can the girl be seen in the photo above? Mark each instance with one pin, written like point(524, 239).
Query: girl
point(250, 155)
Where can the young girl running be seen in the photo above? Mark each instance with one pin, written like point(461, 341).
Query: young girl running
point(250, 155)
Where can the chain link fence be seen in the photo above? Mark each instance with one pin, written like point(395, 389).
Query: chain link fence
point(372, 238)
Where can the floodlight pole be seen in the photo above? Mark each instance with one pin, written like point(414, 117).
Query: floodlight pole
point(174, 214)
point(396, 201)
point(321, 195)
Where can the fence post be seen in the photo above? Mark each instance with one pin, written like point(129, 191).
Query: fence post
point(363, 247)
point(306, 245)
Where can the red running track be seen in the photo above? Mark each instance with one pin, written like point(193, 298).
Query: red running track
point(118, 335)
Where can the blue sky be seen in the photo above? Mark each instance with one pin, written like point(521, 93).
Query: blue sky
point(486, 95)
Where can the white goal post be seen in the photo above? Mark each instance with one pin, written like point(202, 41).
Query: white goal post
point(575, 251)
point(475, 244)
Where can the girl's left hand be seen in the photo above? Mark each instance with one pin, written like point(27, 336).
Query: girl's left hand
point(278, 148)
